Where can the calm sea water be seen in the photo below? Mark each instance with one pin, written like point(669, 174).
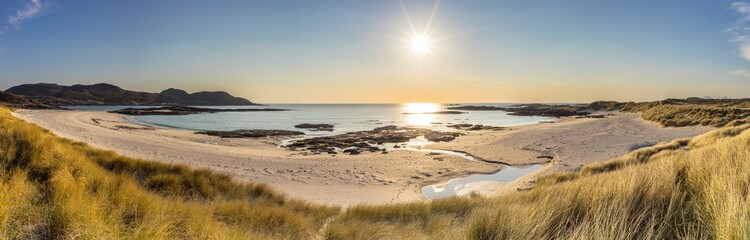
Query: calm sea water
point(345, 117)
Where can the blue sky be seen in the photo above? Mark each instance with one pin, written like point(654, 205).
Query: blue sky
point(350, 51)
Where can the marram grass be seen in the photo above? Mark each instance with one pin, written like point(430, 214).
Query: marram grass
point(52, 188)
point(681, 113)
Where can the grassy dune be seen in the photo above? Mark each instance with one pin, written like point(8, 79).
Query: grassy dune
point(682, 112)
point(51, 188)
point(54, 188)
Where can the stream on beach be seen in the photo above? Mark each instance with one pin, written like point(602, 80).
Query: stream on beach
point(476, 183)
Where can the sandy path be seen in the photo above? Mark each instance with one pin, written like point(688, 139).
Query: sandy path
point(369, 178)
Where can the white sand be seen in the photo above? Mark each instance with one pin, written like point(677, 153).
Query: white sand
point(572, 142)
point(341, 179)
point(369, 178)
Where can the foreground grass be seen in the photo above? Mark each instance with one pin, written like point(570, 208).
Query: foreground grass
point(51, 188)
point(685, 189)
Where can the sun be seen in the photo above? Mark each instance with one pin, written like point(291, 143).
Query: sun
point(420, 45)
point(419, 37)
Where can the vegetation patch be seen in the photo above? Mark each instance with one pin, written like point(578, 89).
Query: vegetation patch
point(52, 188)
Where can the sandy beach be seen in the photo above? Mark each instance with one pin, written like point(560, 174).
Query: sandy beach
point(572, 142)
point(368, 178)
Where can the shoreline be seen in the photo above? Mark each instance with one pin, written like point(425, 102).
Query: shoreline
point(368, 178)
point(342, 179)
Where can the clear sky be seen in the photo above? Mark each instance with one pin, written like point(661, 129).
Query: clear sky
point(354, 51)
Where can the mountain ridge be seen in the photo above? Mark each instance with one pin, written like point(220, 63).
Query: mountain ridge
point(109, 94)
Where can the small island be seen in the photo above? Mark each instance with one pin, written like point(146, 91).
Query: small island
point(316, 127)
point(182, 110)
point(251, 133)
point(544, 110)
point(438, 112)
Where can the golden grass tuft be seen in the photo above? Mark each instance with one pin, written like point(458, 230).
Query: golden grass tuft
point(54, 188)
point(683, 112)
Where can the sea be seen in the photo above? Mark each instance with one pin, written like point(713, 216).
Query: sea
point(344, 117)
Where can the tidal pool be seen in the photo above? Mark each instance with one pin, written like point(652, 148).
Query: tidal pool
point(476, 182)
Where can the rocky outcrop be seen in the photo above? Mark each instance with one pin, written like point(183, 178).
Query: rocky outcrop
point(316, 127)
point(368, 141)
point(474, 127)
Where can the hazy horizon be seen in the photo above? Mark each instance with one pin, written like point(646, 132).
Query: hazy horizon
point(368, 52)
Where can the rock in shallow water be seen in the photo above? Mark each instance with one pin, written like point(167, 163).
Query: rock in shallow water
point(368, 140)
point(316, 127)
point(251, 133)
point(474, 127)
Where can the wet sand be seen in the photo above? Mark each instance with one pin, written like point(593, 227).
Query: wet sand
point(367, 178)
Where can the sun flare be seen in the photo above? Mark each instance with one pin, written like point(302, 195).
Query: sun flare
point(420, 45)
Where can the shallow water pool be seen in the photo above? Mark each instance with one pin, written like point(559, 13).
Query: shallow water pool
point(476, 182)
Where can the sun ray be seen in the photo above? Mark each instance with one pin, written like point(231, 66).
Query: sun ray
point(420, 42)
point(443, 63)
point(446, 37)
point(408, 19)
point(432, 16)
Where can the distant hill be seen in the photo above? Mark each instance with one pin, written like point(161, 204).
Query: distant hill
point(108, 94)
point(13, 100)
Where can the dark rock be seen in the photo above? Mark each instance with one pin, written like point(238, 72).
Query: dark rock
point(352, 151)
point(250, 133)
point(474, 127)
point(367, 140)
point(316, 127)
point(593, 116)
point(385, 128)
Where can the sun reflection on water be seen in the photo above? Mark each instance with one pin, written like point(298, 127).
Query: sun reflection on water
point(420, 119)
point(420, 114)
